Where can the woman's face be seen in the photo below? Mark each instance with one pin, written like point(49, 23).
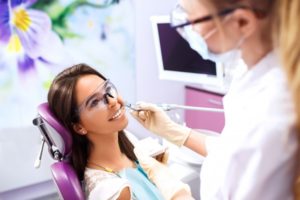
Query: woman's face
point(99, 113)
point(228, 37)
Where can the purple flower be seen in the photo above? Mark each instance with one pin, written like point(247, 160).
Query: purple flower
point(26, 33)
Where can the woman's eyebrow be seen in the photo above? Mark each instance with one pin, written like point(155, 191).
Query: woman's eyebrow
point(90, 98)
point(95, 93)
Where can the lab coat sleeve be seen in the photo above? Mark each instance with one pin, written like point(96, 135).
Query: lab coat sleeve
point(211, 142)
point(262, 168)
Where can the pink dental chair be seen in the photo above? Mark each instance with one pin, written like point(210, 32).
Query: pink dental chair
point(59, 142)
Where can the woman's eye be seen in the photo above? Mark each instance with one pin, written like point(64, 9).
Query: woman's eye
point(94, 102)
point(108, 89)
point(112, 92)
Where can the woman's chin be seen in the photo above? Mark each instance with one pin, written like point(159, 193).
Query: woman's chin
point(125, 122)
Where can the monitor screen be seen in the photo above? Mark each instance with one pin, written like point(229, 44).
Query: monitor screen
point(177, 60)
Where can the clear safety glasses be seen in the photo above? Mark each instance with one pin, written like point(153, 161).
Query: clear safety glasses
point(179, 16)
point(99, 99)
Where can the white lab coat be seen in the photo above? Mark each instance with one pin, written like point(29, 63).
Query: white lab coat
point(254, 158)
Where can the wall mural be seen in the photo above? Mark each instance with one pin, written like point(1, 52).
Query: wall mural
point(39, 38)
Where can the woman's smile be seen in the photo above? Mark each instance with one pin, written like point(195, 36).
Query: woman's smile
point(118, 114)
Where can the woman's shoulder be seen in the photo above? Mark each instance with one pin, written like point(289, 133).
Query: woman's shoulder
point(102, 184)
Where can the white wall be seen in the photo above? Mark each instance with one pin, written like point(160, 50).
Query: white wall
point(18, 151)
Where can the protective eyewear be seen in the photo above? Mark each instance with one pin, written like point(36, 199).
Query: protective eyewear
point(179, 16)
point(100, 98)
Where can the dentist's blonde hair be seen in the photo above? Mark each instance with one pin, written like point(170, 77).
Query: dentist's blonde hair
point(286, 38)
point(287, 29)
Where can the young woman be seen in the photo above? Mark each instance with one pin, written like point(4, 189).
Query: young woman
point(256, 155)
point(89, 105)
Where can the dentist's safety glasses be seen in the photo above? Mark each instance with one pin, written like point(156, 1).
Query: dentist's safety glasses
point(99, 99)
point(179, 21)
point(179, 16)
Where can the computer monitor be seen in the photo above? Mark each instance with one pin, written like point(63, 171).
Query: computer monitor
point(178, 61)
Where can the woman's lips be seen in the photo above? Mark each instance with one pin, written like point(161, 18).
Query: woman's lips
point(118, 114)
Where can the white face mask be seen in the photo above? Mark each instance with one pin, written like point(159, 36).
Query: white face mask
point(198, 43)
point(231, 60)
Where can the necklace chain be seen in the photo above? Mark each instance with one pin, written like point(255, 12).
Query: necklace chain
point(107, 169)
point(104, 168)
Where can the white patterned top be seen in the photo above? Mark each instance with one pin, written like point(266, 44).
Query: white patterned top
point(103, 185)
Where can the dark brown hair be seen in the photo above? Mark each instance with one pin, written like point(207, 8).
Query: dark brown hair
point(62, 101)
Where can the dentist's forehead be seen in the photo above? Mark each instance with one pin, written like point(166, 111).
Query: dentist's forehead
point(86, 86)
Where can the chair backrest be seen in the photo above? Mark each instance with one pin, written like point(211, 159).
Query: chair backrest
point(59, 142)
point(66, 181)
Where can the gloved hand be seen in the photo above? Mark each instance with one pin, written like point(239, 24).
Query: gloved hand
point(157, 121)
point(160, 175)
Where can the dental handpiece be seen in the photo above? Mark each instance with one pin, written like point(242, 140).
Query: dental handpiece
point(169, 107)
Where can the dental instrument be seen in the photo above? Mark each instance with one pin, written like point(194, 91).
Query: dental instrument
point(169, 107)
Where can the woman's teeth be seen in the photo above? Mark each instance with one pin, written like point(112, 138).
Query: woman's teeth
point(118, 114)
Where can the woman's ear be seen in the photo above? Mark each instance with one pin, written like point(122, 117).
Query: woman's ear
point(247, 21)
point(78, 128)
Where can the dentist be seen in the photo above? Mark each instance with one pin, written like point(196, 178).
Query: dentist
point(255, 156)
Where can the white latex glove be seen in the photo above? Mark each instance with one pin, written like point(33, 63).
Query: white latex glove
point(160, 175)
point(157, 121)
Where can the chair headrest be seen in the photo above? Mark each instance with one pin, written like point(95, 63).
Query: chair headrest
point(55, 134)
point(66, 181)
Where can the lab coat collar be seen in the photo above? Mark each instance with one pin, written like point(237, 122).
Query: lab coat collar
point(261, 68)
point(252, 76)
point(247, 84)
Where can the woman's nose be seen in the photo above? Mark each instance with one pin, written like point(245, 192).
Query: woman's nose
point(111, 101)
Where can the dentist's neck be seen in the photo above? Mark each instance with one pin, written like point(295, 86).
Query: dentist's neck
point(254, 50)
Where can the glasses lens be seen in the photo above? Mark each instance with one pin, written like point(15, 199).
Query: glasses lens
point(99, 99)
point(108, 91)
point(178, 16)
point(111, 90)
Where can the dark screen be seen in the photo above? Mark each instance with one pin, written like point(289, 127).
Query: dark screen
point(177, 55)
